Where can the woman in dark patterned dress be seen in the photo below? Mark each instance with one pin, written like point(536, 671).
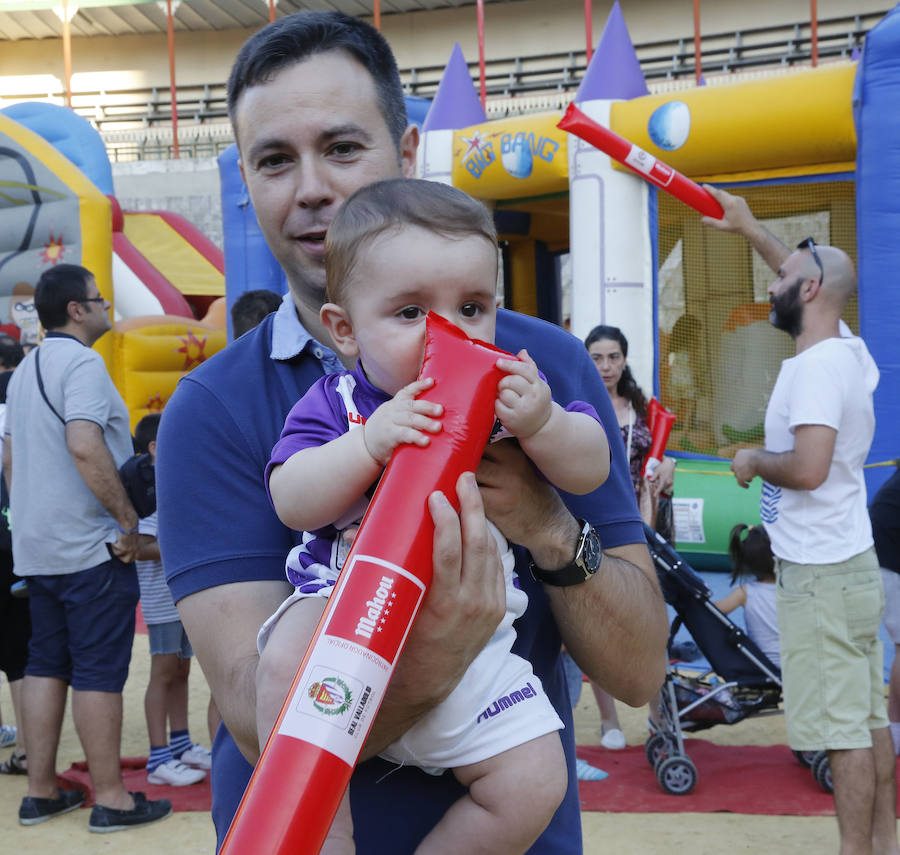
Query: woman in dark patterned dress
point(608, 348)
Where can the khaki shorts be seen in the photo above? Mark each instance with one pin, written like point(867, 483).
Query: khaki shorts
point(831, 656)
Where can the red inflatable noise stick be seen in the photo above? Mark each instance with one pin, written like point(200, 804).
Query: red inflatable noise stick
point(639, 161)
point(659, 421)
point(298, 783)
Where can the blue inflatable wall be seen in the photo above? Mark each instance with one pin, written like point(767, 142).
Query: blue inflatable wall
point(249, 264)
point(71, 135)
point(877, 114)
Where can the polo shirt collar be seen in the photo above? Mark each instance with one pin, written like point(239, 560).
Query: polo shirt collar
point(290, 338)
point(55, 334)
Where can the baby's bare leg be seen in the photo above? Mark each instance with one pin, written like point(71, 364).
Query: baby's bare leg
point(278, 665)
point(512, 797)
point(340, 835)
point(279, 661)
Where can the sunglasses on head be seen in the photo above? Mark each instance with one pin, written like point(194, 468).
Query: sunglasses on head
point(810, 244)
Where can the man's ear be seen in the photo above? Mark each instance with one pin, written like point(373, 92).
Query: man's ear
point(409, 143)
point(336, 320)
point(810, 289)
point(74, 310)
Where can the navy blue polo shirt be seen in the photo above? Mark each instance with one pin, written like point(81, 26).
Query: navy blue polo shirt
point(215, 439)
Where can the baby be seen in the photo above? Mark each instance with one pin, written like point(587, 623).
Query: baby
point(396, 250)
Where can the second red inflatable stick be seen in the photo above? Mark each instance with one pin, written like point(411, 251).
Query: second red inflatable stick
point(640, 162)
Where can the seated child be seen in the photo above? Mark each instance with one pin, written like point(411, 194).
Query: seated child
point(751, 554)
point(395, 251)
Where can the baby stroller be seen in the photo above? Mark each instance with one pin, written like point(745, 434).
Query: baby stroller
point(742, 682)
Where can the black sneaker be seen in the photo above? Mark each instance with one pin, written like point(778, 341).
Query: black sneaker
point(34, 810)
point(144, 812)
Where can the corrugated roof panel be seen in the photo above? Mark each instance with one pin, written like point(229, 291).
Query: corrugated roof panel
point(122, 17)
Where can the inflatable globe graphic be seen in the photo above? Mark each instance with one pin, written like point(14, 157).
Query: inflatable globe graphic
point(518, 161)
point(670, 125)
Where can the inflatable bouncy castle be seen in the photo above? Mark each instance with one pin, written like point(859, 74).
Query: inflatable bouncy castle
point(815, 152)
point(164, 278)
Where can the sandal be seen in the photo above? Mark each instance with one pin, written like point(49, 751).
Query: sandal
point(15, 765)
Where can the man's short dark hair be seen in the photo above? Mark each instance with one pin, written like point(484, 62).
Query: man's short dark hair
point(56, 288)
point(295, 38)
point(251, 307)
point(11, 352)
point(145, 432)
point(389, 205)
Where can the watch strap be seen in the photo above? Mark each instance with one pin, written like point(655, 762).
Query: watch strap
point(577, 571)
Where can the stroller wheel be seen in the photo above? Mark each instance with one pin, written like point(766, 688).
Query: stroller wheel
point(805, 758)
point(660, 746)
point(677, 775)
point(821, 770)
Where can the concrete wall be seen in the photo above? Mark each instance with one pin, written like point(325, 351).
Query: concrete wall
point(522, 28)
point(187, 187)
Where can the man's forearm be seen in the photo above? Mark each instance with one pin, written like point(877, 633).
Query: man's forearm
point(222, 624)
point(397, 714)
point(739, 219)
point(615, 625)
point(770, 248)
point(784, 469)
point(98, 470)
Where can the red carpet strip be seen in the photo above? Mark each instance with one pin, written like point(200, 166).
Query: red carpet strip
point(735, 779)
point(193, 797)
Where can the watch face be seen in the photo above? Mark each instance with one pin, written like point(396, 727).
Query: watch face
point(591, 555)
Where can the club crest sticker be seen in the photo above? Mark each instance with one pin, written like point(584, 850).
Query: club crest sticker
point(331, 697)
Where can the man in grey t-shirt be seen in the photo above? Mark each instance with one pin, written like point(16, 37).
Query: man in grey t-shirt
point(74, 538)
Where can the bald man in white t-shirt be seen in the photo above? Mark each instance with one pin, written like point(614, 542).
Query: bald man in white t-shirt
point(819, 427)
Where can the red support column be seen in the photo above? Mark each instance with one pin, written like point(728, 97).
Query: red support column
point(698, 63)
point(271, 11)
point(814, 31)
point(588, 30)
point(67, 53)
point(481, 73)
point(170, 29)
point(376, 11)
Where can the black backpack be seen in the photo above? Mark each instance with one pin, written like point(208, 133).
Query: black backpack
point(139, 478)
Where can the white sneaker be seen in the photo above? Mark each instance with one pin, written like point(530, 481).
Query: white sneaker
point(198, 757)
point(176, 774)
point(613, 739)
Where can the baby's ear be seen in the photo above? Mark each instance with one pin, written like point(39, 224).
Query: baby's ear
point(336, 320)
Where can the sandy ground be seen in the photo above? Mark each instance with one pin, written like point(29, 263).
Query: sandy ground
point(622, 834)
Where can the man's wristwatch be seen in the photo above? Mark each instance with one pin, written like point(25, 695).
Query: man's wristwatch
point(586, 562)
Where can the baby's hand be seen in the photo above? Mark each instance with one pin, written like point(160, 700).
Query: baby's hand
point(523, 402)
point(402, 420)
